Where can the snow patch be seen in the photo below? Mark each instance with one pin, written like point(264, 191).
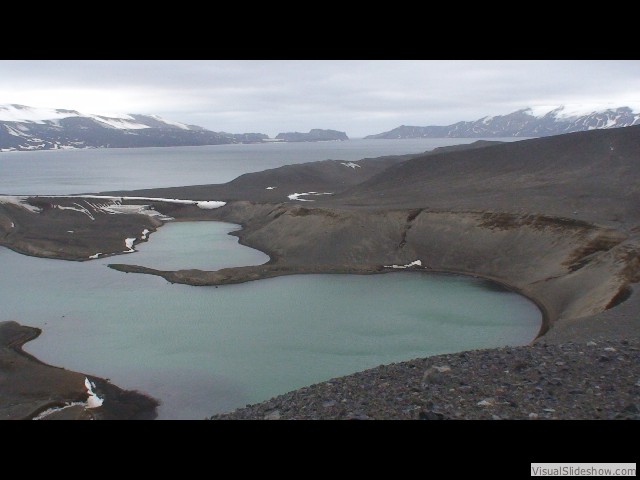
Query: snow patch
point(123, 123)
point(94, 401)
point(114, 205)
point(118, 209)
point(150, 199)
point(168, 122)
point(51, 410)
point(210, 205)
point(13, 225)
point(24, 114)
point(271, 188)
point(577, 110)
point(77, 208)
point(145, 232)
point(416, 263)
point(129, 244)
point(21, 113)
point(351, 165)
point(20, 201)
point(296, 196)
point(93, 257)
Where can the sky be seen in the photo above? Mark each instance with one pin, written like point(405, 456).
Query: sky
point(358, 97)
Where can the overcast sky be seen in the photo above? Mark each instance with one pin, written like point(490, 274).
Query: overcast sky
point(359, 97)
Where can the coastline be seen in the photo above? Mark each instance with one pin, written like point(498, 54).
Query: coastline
point(31, 387)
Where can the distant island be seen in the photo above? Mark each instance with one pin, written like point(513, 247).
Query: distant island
point(528, 122)
point(314, 135)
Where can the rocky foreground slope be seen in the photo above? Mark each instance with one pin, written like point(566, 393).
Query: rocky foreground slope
point(592, 380)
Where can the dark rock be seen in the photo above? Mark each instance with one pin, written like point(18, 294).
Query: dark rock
point(430, 415)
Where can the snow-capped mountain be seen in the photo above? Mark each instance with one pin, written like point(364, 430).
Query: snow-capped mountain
point(28, 128)
point(528, 122)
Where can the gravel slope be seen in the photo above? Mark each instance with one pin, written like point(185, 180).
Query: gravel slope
point(592, 380)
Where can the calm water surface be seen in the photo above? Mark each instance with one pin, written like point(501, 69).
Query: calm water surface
point(99, 170)
point(203, 350)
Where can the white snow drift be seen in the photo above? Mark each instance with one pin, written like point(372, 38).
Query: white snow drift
point(416, 263)
point(296, 196)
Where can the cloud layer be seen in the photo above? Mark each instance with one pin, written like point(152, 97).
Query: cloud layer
point(359, 97)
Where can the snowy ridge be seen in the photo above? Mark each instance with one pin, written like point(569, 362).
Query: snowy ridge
point(89, 206)
point(23, 114)
point(24, 128)
point(19, 201)
point(536, 121)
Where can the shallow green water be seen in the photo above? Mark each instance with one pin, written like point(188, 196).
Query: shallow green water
point(204, 350)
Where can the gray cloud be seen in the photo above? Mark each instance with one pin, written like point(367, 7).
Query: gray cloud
point(359, 97)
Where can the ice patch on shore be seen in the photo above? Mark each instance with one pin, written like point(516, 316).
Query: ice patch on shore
point(416, 263)
point(20, 201)
point(94, 401)
point(145, 232)
point(77, 208)
point(93, 257)
point(296, 196)
point(51, 410)
point(351, 165)
point(116, 206)
point(210, 205)
point(129, 244)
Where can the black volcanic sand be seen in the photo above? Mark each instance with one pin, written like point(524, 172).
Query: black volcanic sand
point(556, 219)
point(29, 387)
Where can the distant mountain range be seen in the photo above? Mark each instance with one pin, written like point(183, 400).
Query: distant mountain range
point(528, 122)
point(28, 128)
point(314, 135)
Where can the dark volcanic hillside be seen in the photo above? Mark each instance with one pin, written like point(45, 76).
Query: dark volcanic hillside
point(274, 185)
point(592, 175)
